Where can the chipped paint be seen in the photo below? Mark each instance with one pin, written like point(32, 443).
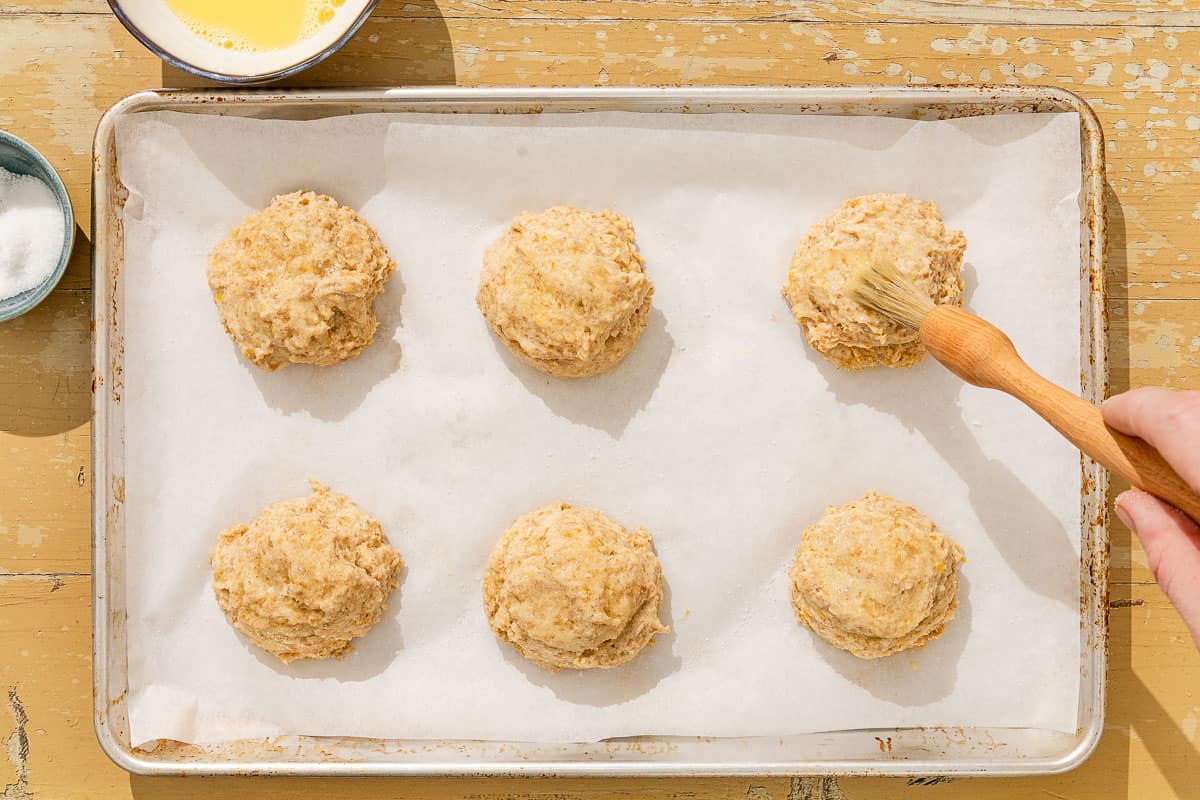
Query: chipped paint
point(1188, 725)
point(468, 53)
point(29, 536)
point(1044, 13)
point(18, 749)
point(1157, 212)
point(814, 789)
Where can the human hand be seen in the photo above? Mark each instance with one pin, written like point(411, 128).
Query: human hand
point(1170, 422)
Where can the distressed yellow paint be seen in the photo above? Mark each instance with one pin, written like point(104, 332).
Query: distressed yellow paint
point(45, 676)
point(1089, 13)
point(1148, 750)
point(1136, 61)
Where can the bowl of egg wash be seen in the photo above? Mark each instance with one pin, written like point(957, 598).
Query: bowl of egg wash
point(243, 41)
point(37, 228)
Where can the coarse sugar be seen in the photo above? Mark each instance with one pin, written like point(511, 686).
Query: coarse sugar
point(31, 233)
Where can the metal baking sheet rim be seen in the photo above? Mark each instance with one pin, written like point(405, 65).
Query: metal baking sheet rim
point(910, 751)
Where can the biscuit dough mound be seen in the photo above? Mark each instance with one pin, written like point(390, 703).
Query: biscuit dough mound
point(305, 577)
point(891, 227)
point(570, 588)
point(565, 290)
point(875, 577)
point(294, 283)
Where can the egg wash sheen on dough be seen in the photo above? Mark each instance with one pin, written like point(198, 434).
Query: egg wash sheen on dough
point(254, 25)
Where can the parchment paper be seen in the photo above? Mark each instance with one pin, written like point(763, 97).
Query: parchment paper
point(722, 433)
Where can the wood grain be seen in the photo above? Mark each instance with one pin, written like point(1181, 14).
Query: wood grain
point(983, 355)
point(1089, 13)
point(1148, 751)
point(1136, 61)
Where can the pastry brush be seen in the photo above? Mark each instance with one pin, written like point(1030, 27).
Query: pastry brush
point(982, 355)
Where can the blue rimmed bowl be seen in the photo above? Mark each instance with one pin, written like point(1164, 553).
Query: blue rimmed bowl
point(18, 156)
point(153, 24)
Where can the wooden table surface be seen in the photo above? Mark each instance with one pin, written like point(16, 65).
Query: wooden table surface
point(62, 62)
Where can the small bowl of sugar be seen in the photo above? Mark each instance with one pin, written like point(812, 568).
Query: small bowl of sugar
point(37, 228)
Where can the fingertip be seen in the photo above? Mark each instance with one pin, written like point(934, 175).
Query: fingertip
point(1134, 500)
point(1168, 420)
point(1134, 395)
point(1171, 543)
point(1138, 391)
point(1121, 402)
point(1138, 508)
point(1150, 517)
point(1116, 410)
point(1121, 506)
point(1128, 496)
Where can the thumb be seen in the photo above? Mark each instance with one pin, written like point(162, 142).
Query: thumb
point(1172, 545)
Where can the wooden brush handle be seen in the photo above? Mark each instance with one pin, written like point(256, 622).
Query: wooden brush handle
point(981, 354)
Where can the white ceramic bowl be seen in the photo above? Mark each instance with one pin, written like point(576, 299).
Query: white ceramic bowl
point(154, 24)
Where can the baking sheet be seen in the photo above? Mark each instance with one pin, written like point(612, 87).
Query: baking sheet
point(721, 433)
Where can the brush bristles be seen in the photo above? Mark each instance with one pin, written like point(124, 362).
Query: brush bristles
point(878, 285)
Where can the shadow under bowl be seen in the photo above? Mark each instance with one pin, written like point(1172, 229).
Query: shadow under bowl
point(19, 157)
point(150, 43)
